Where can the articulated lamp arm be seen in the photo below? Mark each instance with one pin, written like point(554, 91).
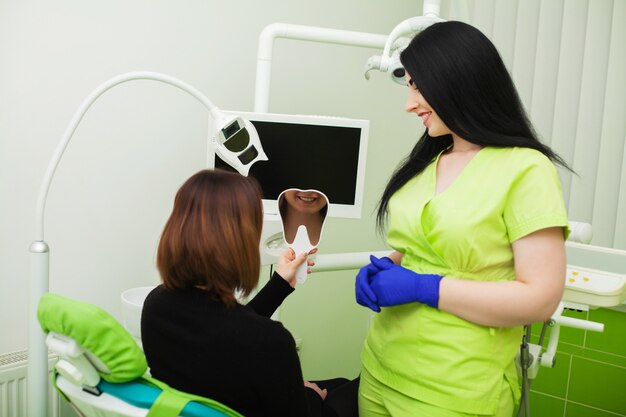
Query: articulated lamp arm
point(82, 110)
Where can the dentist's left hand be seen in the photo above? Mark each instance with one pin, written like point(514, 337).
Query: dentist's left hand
point(362, 287)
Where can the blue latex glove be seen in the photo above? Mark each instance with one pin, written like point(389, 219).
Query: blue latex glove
point(364, 294)
point(394, 285)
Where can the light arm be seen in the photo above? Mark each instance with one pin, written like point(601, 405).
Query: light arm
point(82, 110)
point(306, 33)
point(407, 27)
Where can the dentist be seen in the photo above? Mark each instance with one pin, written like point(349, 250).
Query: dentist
point(476, 217)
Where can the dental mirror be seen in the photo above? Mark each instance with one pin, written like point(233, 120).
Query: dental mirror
point(302, 213)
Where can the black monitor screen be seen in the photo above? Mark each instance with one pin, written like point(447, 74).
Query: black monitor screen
point(306, 156)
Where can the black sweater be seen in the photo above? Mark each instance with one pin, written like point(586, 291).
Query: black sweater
point(237, 356)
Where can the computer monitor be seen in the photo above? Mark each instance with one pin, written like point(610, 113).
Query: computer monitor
point(309, 152)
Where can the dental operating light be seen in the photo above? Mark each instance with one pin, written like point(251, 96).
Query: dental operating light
point(394, 66)
point(389, 61)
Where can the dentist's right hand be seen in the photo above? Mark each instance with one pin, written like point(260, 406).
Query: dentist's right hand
point(363, 286)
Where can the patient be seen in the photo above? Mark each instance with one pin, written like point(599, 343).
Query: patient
point(197, 337)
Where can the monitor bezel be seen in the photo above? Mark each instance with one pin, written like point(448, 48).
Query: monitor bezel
point(270, 206)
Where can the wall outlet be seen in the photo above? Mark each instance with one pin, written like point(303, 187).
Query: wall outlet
point(298, 344)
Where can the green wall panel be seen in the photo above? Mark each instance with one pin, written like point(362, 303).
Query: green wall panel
point(590, 369)
point(597, 384)
point(579, 410)
point(613, 339)
point(544, 405)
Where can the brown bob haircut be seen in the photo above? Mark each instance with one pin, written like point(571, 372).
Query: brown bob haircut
point(211, 239)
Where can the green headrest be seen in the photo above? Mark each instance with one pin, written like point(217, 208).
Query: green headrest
point(95, 330)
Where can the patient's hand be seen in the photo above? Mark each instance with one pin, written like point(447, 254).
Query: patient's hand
point(322, 392)
point(288, 263)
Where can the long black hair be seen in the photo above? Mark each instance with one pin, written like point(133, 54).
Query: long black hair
point(463, 78)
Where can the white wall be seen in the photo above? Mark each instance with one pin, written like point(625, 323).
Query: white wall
point(115, 185)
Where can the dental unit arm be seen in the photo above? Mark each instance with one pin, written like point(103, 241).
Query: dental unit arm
point(532, 355)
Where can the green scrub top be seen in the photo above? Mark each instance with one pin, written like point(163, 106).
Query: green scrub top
point(466, 231)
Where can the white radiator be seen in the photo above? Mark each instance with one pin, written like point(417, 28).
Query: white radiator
point(13, 401)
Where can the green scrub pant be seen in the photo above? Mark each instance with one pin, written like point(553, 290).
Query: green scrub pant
point(378, 400)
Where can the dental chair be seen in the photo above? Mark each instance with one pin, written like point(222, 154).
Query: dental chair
point(101, 370)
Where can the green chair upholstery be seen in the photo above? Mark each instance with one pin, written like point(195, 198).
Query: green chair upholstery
point(116, 357)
